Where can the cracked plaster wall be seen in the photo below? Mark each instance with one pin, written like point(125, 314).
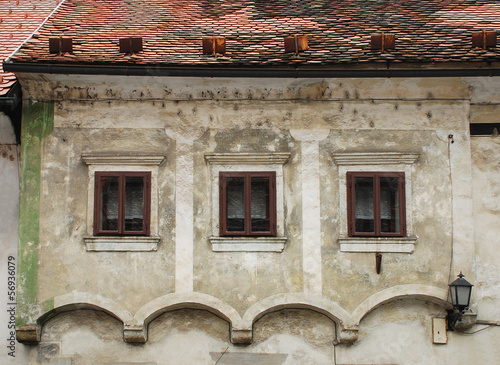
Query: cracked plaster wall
point(9, 221)
point(486, 175)
point(185, 337)
point(400, 332)
point(131, 115)
point(224, 125)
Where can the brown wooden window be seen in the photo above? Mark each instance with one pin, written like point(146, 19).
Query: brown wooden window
point(122, 203)
point(376, 204)
point(247, 203)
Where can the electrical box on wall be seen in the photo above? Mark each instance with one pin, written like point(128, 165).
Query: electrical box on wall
point(439, 331)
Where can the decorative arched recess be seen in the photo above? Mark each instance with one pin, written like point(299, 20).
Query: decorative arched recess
point(345, 329)
point(70, 302)
point(135, 327)
point(415, 291)
point(136, 331)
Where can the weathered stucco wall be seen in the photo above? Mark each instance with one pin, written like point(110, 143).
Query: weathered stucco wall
point(132, 279)
point(401, 333)
point(189, 337)
point(185, 119)
point(486, 175)
point(9, 174)
point(12, 352)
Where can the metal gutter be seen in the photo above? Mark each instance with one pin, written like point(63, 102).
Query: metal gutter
point(245, 72)
point(8, 102)
point(12, 98)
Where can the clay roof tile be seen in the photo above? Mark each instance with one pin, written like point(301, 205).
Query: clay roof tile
point(19, 19)
point(338, 32)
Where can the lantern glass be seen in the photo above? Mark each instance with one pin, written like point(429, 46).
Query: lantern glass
point(463, 296)
point(453, 293)
point(460, 291)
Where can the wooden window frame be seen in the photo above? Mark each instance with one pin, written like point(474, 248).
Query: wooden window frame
point(122, 175)
point(223, 175)
point(351, 219)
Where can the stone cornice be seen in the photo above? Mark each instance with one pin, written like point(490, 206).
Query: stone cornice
point(247, 158)
point(374, 158)
point(122, 159)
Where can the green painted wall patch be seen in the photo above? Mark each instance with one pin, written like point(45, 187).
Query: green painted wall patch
point(37, 123)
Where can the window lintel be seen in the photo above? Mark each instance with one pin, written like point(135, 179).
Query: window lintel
point(122, 159)
point(247, 158)
point(374, 158)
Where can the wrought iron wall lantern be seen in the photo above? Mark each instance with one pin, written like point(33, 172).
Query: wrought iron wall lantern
point(460, 292)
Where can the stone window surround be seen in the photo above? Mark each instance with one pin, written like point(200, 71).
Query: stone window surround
point(122, 162)
point(240, 161)
point(373, 162)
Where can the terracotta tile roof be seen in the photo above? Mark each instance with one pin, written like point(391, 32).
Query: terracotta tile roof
point(18, 20)
point(339, 32)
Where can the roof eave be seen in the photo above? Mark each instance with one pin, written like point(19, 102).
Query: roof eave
point(365, 70)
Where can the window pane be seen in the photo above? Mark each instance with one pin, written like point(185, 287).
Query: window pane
point(134, 204)
point(109, 204)
point(363, 204)
point(389, 205)
point(260, 204)
point(235, 197)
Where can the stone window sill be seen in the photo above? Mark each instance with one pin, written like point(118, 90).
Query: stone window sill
point(121, 243)
point(248, 244)
point(378, 244)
